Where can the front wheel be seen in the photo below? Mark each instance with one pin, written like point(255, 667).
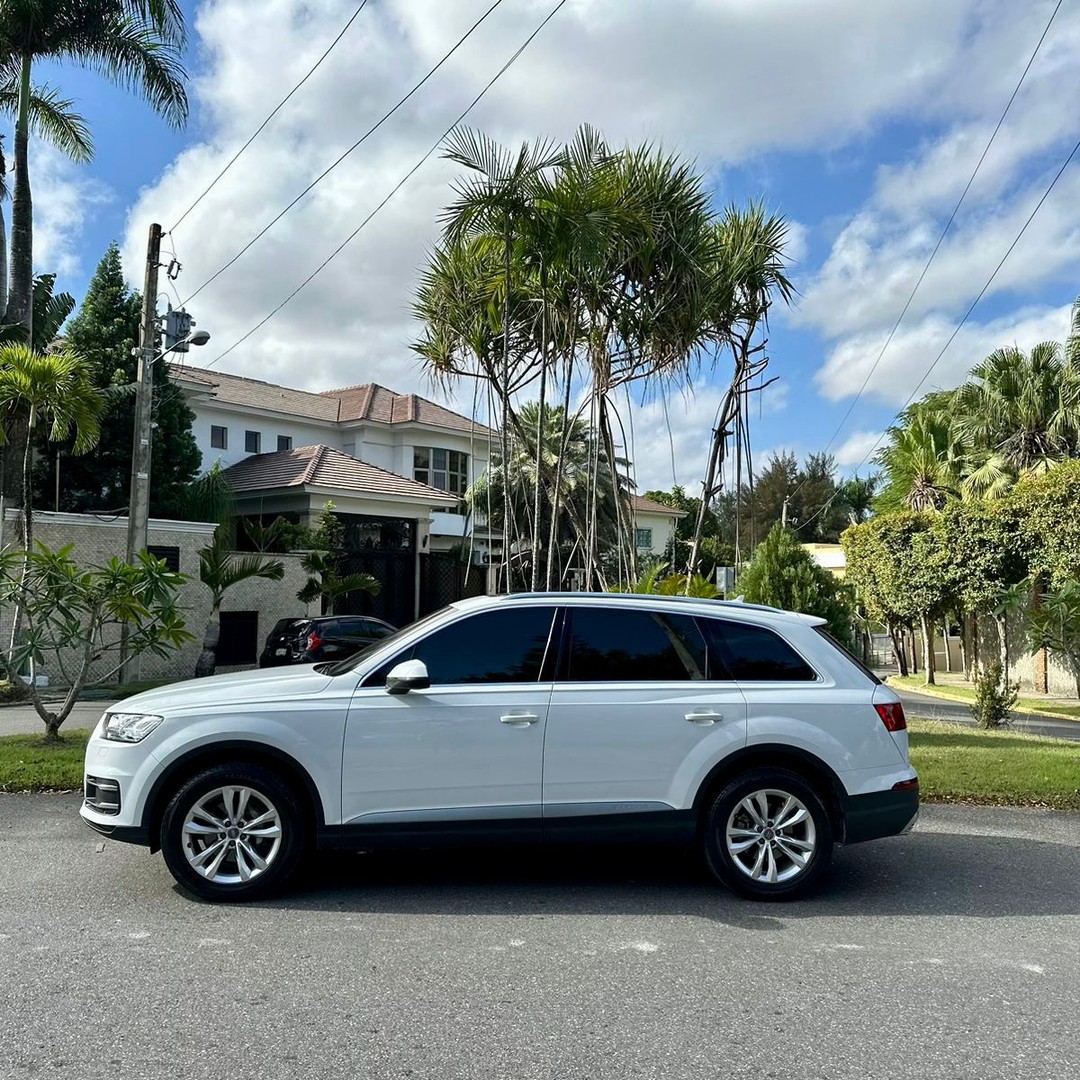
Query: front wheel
point(767, 836)
point(233, 832)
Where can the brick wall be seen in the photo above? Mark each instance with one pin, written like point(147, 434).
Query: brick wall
point(97, 539)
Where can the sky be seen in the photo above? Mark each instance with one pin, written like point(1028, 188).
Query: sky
point(860, 122)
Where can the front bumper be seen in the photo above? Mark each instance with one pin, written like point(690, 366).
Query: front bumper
point(880, 813)
point(132, 767)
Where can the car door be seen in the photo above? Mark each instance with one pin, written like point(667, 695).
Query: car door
point(466, 754)
point(636, 719)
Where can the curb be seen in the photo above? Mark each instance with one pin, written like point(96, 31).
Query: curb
point(944, 695)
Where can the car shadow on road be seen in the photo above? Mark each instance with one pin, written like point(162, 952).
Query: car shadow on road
point(920, 874)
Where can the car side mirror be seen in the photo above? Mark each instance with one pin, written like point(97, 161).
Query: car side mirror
point(406, 676)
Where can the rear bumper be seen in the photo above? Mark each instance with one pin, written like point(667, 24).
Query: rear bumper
point(880, 813)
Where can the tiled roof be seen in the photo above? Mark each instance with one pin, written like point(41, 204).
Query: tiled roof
point(651, 506)
point(325, 467)
point(366, 402)
point(370, 401)
point(255, 394)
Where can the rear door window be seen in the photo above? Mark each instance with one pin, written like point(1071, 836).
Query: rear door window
point(619, 645)
point(755, 653)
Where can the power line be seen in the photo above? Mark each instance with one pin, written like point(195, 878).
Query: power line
point(941, 238)
point(326, 172)
point(277, 108)
point(397, 187)
point(982, 292)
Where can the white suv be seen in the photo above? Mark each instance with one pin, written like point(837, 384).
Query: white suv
point(540, 717)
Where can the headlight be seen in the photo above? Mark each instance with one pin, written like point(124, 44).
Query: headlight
point(129, 727)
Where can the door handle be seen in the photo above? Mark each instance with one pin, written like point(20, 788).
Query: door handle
point(519, 719)
point(703, 719)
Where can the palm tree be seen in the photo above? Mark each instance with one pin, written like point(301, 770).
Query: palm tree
point(220, 568)
point(53, 391)
point(134, 43)
point(1019, 413)
point(858, 496)
point(922, 464)
point(211, 498)
point(567, 453)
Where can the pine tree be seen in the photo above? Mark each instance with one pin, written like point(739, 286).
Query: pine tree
point(105, 331)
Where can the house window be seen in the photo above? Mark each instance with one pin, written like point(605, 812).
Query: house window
point(252, 442)
point(219, 437)
point(447, 470)
point(643, 538)
point(284, 442)
point(167, 553)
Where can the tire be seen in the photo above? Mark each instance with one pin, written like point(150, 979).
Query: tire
point(211, 854)
point(745, 841)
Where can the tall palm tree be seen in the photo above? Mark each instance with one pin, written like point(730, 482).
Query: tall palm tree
point(1019, 413)
point(134, 43)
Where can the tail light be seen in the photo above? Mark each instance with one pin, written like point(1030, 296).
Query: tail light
point(892, 716)
point(314, 641)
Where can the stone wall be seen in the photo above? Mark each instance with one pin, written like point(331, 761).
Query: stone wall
point(96, 539)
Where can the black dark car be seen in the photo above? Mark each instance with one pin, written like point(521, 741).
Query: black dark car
point(330, 637)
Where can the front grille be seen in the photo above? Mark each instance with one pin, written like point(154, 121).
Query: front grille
point(103, 795)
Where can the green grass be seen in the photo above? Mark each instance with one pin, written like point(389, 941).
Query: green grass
point(1000, 767)
point(916, 683)
point(28, 763)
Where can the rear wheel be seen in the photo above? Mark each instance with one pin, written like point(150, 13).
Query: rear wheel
point(767, 835)
point(233, 832)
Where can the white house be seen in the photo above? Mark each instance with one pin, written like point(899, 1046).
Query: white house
point(395, 466)
point(654, 525)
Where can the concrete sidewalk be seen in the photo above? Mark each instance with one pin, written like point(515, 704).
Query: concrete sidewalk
point(24, 720)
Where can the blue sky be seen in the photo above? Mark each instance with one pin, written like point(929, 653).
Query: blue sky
point(860, 122)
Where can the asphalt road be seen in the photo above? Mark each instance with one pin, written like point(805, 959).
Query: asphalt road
point(951, 953)
point(935, 708)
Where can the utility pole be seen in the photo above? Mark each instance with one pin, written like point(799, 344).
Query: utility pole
point(783, 513)
point(139, 500)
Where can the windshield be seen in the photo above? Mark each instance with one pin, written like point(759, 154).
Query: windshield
point(339, 667)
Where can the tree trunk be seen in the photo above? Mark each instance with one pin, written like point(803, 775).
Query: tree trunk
point(21, 292)
point(1002, 622)
point(207, 662)
point(910, 638)
point(3, 263)
point(928, 648)
point(965, 638)
point(945, 642)
point(899, 651)
point(27, 536)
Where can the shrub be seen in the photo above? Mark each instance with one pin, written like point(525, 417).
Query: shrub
point(994, 697)
point(13, 691)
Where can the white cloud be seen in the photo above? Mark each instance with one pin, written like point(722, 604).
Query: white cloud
point(62, 200)
point(857, 448)
point(917, 344)
point(636, 68)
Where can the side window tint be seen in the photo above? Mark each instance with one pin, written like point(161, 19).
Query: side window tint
point(610, 645)
point(756, 654)
point(493, 647)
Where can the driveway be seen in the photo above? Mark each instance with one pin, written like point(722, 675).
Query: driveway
point(952, 953)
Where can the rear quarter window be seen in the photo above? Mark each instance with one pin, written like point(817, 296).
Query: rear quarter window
point(756, 653)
